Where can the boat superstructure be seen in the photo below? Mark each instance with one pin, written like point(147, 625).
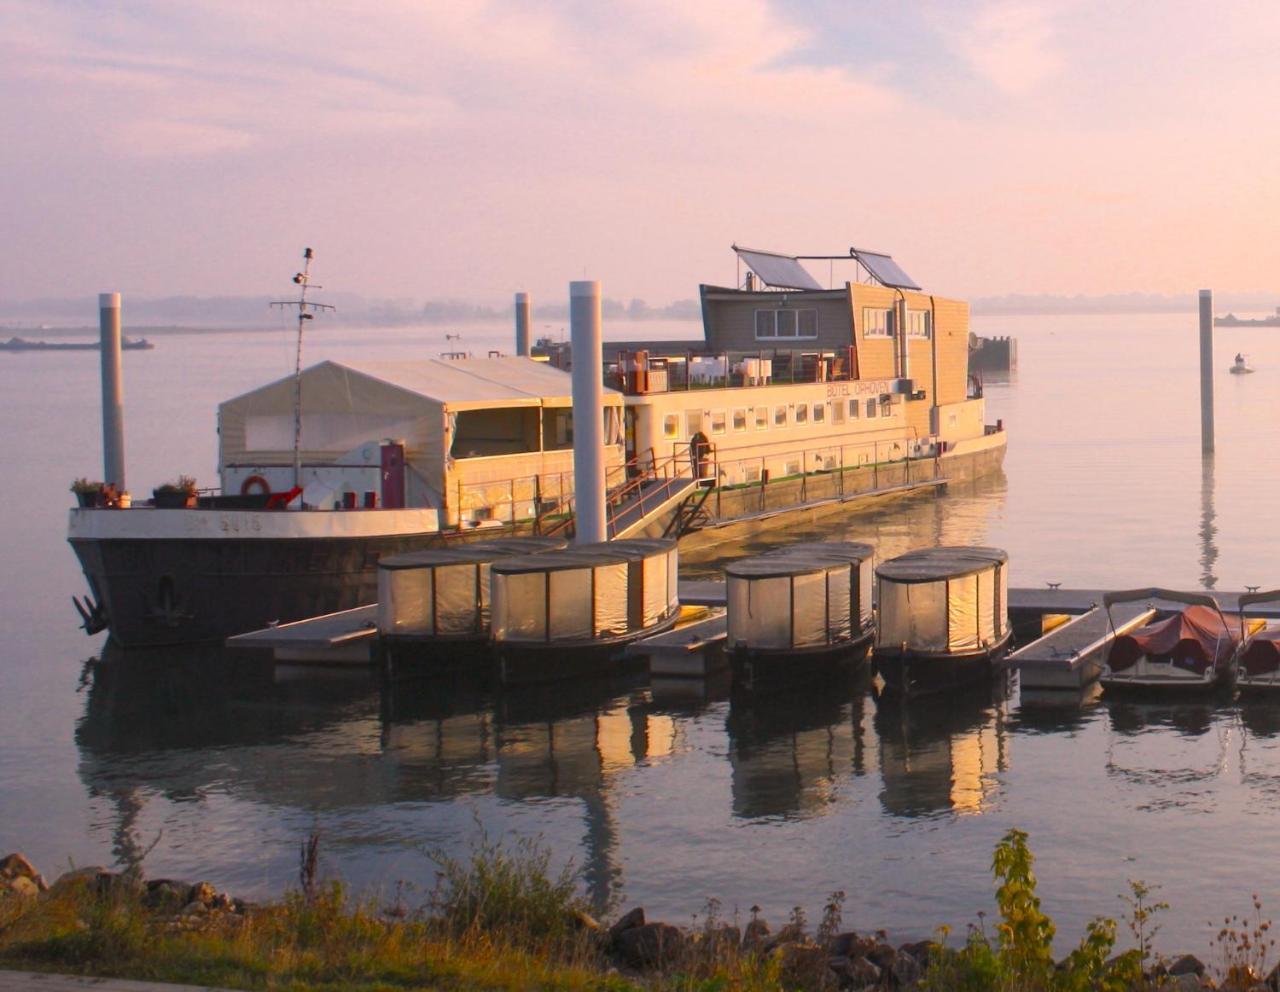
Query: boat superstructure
point(796, 395)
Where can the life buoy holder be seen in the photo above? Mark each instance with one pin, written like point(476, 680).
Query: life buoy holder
point(255, 485)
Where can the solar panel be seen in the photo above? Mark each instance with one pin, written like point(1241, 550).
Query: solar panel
point(884, 269)
point(778, 271)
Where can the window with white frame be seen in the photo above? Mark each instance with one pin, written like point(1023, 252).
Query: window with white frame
point(717, 421)
point(819, 413)
point(779, 416)
point(762, 418)
point(740, 419)
point(837, 411)
point(877, 322)
point(802, 413)
point(886, 408)
point(854, 407)
point(693, 421)
point(919, 323)
point(671, 426)
point(873, 406)
point(786, 325)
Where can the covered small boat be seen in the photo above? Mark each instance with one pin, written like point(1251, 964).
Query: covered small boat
point(1189, 650)
point(799, 608)
point(433, 605)
point(1258, 669)
point(944, 617)
point(1240, 366)
point(574, 611)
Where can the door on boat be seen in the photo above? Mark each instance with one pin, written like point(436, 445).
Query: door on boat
point(700, 452)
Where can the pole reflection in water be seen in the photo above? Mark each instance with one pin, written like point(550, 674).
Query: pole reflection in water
point(943, 754)
point(540, 742)
point(188, 725)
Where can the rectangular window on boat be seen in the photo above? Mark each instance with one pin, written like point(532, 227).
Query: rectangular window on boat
point(872, 407)
point(819, 413)
point(779, 416)
point(774, 325)
point(837, 412)
point(802, 413)
point(918, 323)
point(740, 419)
point(717, 421)
point(671, 426)
point(876, 322)
point(886, 409)
point(692, 422)
point(762, 418)
point(854, 406)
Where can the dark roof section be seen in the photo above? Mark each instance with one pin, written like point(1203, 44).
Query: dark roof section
point(586, 556)
point(800, 559)
point(478, 551)
point(938, 564)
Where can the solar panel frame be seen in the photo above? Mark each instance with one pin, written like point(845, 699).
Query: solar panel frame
point(778, 271)
point(884, 269)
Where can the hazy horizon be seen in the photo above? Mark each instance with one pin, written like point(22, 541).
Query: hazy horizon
point(470, 149)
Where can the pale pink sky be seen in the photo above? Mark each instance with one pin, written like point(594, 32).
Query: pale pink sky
point(464, 148)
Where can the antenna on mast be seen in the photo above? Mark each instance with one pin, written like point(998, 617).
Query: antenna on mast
point(304, 308)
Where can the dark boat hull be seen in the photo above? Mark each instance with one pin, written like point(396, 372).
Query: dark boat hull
point(528, 663)
point(754, 668)
point(908, 674)
point(189, 591)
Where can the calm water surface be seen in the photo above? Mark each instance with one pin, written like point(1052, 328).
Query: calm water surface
point(666, 800)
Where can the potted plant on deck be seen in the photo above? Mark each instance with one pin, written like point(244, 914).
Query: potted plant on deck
point(87, 493)
point(175, 495)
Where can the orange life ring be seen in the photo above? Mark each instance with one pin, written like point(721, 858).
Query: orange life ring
point(255, 484)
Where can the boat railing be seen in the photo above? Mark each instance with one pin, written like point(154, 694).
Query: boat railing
point(829, 471)
point(640, 372)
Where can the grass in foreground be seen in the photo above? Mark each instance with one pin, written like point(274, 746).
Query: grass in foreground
point(501, 921)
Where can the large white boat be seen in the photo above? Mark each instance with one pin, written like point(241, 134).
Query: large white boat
point(795, 395)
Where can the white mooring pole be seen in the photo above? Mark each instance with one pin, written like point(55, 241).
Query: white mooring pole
point(1206, 370)
point(588, 411)
point(112, 391)
point(522, 325)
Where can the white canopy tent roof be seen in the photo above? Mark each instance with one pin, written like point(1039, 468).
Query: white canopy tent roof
point(345, 405)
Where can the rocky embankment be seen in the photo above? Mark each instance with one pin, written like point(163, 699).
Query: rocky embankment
point(633, 944)
point(189, 904)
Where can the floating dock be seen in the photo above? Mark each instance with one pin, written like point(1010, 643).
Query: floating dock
point(690, 651)
point(344, 638)
point(1070, 655)
point(1067, 656)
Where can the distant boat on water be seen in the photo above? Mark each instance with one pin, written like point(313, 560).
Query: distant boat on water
point(22, 344)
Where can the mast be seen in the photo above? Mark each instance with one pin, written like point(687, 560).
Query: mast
point(304, 307)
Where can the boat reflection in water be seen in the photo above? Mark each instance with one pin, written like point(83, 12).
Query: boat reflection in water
point(184, 728)
point(792, 748)
point(943, 755)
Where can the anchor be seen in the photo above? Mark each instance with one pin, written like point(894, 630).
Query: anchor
point(92, 616)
